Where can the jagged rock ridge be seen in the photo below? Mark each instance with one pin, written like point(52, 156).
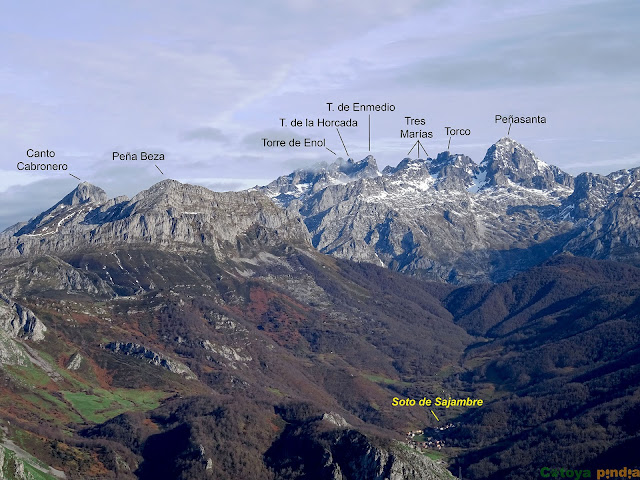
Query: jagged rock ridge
point(154, 358)
point(452, 219)
point(446, 218)
point(20, 322)
point(166, 215)
point(17, 323)
point(288, 188)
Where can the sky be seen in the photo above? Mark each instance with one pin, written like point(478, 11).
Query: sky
point(204, 82)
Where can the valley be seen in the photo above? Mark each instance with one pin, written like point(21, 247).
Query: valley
point(187, 333)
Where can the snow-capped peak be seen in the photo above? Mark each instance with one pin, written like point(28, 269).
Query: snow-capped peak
point(509, 161)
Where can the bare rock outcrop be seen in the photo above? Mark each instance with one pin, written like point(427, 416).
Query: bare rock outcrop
point(154, 358)
point(167, 215)
point(75, 361)
point(356, 457)
point(19, 321)
point(335, 419)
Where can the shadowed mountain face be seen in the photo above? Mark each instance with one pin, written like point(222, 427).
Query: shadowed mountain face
point(561, 345)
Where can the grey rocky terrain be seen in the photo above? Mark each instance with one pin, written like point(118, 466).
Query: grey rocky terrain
point(208, 322)
point(445, 218)
point(167, 214)
point(451, 219)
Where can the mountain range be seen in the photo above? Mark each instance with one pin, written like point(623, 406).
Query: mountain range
point(451, 219)
point(186, 333)
point(447, 218)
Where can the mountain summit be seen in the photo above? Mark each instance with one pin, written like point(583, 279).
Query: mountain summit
point(450, 218)
point(446, 218)
point(300, 182)
point(508, 161)
point(167, 215)
point(85, 193)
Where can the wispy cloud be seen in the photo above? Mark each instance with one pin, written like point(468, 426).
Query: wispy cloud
point(207, 134)
point(604, 164)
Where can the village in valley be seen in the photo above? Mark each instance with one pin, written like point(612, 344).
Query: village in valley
point(428, 439)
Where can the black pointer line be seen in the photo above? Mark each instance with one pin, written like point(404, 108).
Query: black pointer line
point(414, 146)
point(509, 129)
point(369, 132)
point(330, 150)
point(159, 169)
point(425, 150)
point(75, 176)
point(345, 147)
point(449, 146)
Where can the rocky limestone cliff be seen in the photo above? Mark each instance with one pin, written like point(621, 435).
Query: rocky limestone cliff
point(346, 454)
point(35, 276)
point(508, 161)
point(356, 458)
point(20, 322)
point(613, 233)
point(17, 323)
point(444, 218)
point(154, 358)
point(166, 215)
point(451, 219)
point(594, 192)
point(74, 362)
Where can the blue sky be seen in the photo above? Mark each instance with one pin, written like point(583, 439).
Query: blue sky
point(203, 82)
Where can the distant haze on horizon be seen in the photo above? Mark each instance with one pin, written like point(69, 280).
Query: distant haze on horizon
point(204, 82)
